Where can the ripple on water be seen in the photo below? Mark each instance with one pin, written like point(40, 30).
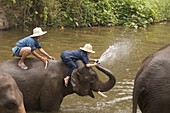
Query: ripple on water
point(116, 100)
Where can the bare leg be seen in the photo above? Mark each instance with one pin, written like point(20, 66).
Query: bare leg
point(24, 53)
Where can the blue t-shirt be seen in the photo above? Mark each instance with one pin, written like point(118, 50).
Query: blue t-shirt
point(29, 42)
point(75, 55)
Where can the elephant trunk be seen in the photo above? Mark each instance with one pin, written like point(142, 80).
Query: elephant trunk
point(104, 86)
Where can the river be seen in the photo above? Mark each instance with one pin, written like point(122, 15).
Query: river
point(126, 48)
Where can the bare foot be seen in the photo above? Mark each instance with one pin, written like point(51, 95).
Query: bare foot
point(66, 79)
point(22, 66)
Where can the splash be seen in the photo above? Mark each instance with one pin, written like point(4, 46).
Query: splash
point(116, 51)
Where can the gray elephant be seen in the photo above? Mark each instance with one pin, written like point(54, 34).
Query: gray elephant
point(11, 99)
point(44, 89)
point(152, 83)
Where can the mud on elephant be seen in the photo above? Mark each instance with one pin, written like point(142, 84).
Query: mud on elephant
point(152, 83)
point(44, 90)
point(11, 99)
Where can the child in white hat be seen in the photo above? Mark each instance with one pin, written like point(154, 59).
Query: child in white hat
point(27, 45)
point(70, 56)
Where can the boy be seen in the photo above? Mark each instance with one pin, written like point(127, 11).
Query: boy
point(27, 45)
point(70, 56)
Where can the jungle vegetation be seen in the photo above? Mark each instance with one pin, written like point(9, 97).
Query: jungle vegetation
point(86, 13)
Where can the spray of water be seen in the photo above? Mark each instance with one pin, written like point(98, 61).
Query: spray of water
point(116, 51)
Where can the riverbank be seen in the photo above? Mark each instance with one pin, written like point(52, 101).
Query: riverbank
point(89, 13)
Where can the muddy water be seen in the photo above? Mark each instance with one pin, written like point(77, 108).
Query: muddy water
point(121, 50)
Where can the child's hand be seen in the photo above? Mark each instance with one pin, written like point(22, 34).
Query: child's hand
point(44, 59)
point(95, 63)
point(96, 60)
point(50, 57)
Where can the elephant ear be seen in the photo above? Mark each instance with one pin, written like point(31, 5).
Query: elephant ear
point(76, 77)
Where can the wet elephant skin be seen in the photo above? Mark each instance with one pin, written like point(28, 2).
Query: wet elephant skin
point(152, 83)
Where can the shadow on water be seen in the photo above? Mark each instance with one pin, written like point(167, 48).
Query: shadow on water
point(120, 50)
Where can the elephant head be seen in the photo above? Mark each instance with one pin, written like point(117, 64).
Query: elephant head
point(11, 99)
point(85, 80)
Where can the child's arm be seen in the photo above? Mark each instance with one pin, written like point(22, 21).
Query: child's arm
point(39, 56)
point(46, 54)
point(93, 60)
point(91, 65)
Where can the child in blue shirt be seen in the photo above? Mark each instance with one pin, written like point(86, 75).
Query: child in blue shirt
point(70, 56)
point(28, 45)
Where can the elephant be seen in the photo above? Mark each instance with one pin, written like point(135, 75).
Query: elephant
point(44, 89)
point(11, 99)
point(151, 90)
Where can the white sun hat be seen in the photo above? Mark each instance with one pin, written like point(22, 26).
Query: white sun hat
point(38, 32)
point(87, 48)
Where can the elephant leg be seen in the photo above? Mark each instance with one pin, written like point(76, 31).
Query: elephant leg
point(49, 106)
point(51, 96)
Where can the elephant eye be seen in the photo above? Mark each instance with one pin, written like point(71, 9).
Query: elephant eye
point(11, 106)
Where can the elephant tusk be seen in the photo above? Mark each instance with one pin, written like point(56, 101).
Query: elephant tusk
point(100, 93)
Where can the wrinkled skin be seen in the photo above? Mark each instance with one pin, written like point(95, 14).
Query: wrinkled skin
point(44, 90)
point(152, 84)
point(11, 99)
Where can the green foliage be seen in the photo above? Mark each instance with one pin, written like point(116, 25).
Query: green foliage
point(161, 9)
point(25, 12)
point(80, 13)
point(84, 13)
point(104, 14)
point(133, 13)
point(71, 12)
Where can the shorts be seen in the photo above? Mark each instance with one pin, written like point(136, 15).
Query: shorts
point(16, 50)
